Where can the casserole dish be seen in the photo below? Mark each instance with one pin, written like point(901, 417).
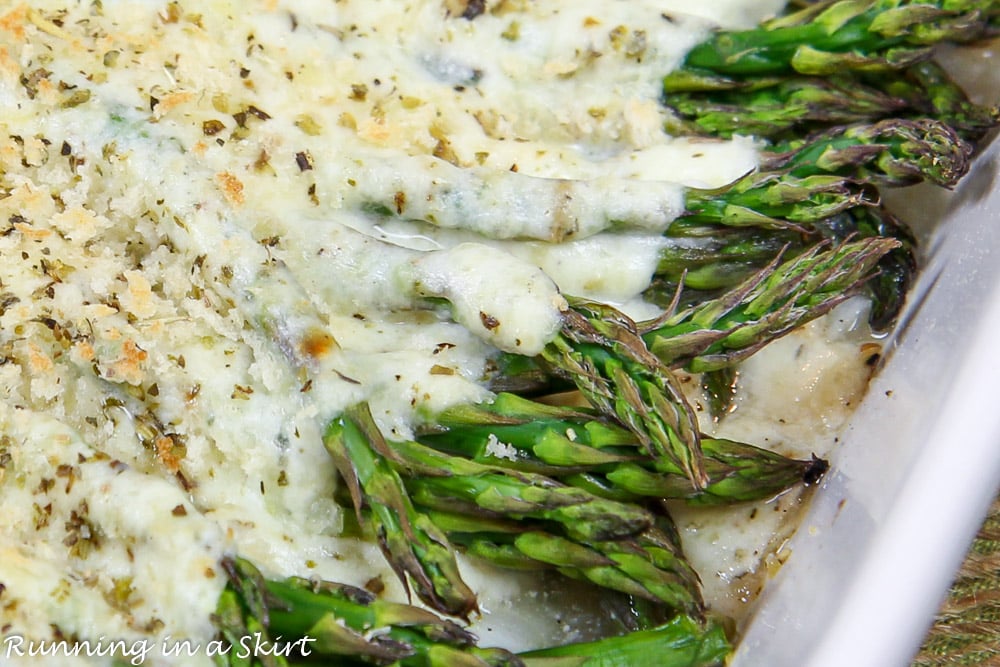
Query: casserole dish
point(917, 468)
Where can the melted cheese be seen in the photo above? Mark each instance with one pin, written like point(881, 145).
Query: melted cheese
point(210, 252)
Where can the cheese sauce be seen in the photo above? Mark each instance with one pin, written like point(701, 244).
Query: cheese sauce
point(197, 203)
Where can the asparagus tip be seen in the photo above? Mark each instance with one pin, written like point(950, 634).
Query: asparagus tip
point(816, 470)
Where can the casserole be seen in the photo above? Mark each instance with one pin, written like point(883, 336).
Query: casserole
point(216, 256)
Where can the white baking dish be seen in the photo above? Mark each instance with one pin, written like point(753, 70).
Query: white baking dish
point(918, 466)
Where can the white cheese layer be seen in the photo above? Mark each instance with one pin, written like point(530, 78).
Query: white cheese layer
point(473, 278)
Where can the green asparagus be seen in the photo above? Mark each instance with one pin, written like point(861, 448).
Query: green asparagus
point(897, 268)
point(417, 550)
point(442, 481)
point(723, 331)
point(892, 152)
point(566, 443)
point(712, 257)
point(843, 89)
point(712, 333)
point(767, 108)
point(777, 109)
point(615, 544)
point(778, 198)
point(703, 259)
point(833, 36)
point(682, 642)
point(600, 350)
point(929, 90)
point(649, 566)
point(301, 621)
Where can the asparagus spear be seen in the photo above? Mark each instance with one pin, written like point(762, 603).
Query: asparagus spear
point(600, 350)
point(319, 619)
point(929, 90)
point(656, 574)
point(774, 108)
point(652, 564)
point(897, 268)
point(812, 179)
point(777, 197)
point(804, 181)
point(801, 183)
point(648, 566)
point(890, 152)
point(504, 204)
point(766, 108)
point(417, 550)
point(442, 481)
point(655, 569)
point(682, 642)
point(723, 331)
point(833, 36)
point(739, 472)
point(796, 191)
point(712, 257)
point(707, 258)
point(809, 199)
point(566, 442)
